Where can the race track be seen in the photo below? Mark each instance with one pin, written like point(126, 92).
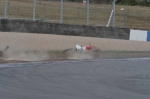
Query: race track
point(83, 79)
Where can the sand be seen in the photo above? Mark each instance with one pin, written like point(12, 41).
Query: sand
point(32, 41)
point(21, 43)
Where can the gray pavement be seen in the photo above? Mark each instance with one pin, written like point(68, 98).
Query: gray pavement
point(83, 79)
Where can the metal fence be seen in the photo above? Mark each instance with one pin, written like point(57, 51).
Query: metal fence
point(76, 13)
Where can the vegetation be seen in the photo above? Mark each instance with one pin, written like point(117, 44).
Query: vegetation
point(75, 13)
point(134, 2)
point(122, 2)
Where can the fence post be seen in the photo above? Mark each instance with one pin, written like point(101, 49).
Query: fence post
point(17, 10)
point(34, 9)
point(125, 16)
point(44, 10)
point(110, 18)
point(5, 9)
point(61, 11)
point(8, 5)
point(87, 12)
point(78, 12)
point(95, 11)
point(113, 17)
point(27, 11)
point(134, 16)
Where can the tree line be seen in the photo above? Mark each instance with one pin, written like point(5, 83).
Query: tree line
point(121, 2)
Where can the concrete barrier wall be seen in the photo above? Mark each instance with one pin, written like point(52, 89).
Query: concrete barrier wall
point(148, 36)
point(29, 26)
point(139, 35)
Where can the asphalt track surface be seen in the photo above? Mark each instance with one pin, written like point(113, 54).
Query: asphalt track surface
point(83, 79)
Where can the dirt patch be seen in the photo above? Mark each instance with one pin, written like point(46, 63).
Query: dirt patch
point(99, 54)
point(70, 55)
point(46, 47)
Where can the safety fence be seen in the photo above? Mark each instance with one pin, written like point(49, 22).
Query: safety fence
point(76, 13)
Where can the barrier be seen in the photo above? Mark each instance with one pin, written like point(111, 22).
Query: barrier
point(148, 36)
point(139, 35)
point(29, 26)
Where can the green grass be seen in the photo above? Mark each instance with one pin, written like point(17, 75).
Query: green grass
point(75, 13)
